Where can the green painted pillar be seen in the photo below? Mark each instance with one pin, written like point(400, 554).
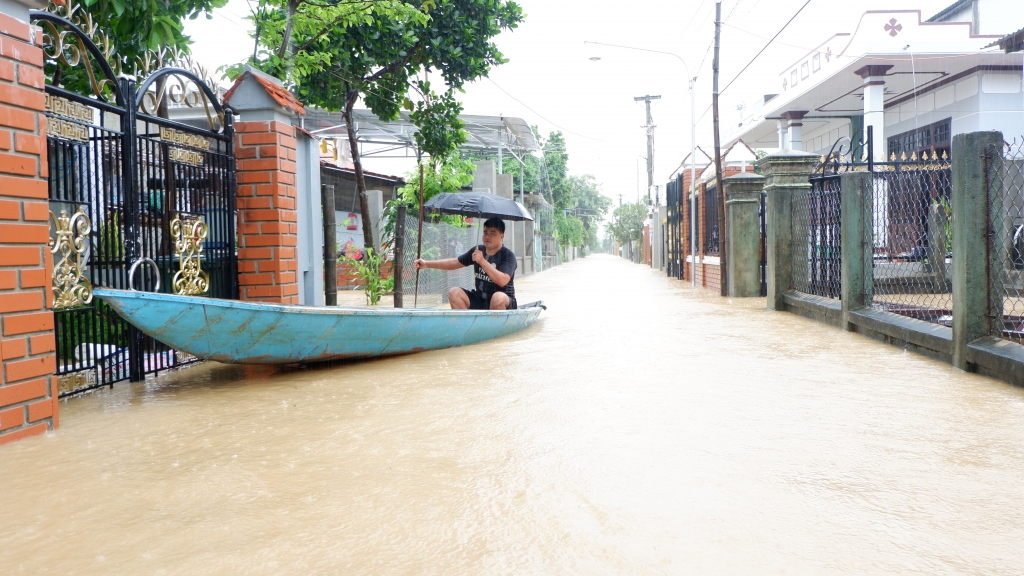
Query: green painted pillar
point(974, 154)
point(858, 276)
point(742, 203)
point(786, 173)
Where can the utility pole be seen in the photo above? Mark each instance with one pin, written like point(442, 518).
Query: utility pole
point(722, 244)
point(650, 138)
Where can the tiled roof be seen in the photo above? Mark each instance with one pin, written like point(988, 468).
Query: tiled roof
point(949, 10)
point(273, 87)
point(1012, 42)
point(325, 163)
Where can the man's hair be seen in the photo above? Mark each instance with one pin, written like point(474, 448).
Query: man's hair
point(496, 223)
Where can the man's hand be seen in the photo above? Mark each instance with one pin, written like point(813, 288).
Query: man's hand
point(420, 264)
point(478, 256)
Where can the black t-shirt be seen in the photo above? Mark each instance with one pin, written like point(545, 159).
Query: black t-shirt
point(504, 260)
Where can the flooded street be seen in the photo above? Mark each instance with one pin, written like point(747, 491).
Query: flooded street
point(641, 426)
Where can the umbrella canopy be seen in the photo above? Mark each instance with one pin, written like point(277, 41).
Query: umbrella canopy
point(478, 205)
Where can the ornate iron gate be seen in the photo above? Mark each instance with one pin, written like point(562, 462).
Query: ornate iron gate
point(674, 199)
point(139, 196)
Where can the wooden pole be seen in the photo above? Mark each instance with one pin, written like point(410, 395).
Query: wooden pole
point(396, 269)
point(723, 253)
point(330, 246)
point(419, 241)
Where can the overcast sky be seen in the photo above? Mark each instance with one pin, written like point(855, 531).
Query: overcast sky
point(551, 81)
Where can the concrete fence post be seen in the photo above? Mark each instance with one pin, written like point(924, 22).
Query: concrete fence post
point(742, 202)
point(974, 154)
point(856, 209)
point(787, 174)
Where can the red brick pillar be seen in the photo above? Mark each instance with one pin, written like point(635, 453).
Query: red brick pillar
point(267, 219)
point(28, 389)
point(265, 147)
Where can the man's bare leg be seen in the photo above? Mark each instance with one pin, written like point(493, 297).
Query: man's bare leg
point(458, 299)
point(499, 301)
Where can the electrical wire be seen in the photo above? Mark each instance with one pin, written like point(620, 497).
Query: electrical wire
point(545, 119)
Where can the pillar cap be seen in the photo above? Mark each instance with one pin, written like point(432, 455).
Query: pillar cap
point(870, 70)
point(263, 97)
point(750, 176)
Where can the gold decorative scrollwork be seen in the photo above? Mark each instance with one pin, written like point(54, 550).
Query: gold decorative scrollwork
point(188, 234)
point(183, 91)
point(68, 246)
point(63, 46)
point(67, 383)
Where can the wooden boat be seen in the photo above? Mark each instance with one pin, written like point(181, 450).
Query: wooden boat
point(256, 333)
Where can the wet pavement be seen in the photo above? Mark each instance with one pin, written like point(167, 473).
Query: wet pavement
point(641, 426)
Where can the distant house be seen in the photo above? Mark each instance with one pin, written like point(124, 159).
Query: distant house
point(915, 82)
point(346, 201)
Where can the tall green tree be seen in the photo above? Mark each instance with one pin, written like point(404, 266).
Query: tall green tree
point(589, 205)
point(379, 54)
point(138, 34)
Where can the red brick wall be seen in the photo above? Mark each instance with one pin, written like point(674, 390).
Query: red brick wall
point(348, 277)
point(707, 275)
point(28, 389)
point(267, 218)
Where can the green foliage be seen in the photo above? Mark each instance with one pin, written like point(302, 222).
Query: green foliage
point(628, 222)
point(334, 53)
point(568, 229)
point(111, 237)
point(135, 27)
point(449, 174)
point(440, 130)
point(368, 270)
point(136, 32)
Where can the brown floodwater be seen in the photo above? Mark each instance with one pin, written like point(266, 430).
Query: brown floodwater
point(642, 427)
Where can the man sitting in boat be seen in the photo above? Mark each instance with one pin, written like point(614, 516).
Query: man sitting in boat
point(494, 267)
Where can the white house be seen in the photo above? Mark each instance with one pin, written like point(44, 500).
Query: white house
point(915, 81)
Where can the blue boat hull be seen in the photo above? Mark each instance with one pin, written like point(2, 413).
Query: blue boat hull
point(254, 333)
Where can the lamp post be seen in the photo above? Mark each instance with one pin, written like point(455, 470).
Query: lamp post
point(693, 149)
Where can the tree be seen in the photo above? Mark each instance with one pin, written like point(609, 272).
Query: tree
point(628, 222)
point(139, 36)
point(589, 205)
point(381, 48)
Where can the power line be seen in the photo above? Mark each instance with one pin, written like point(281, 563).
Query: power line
point(543, 118)
point(765, 46)
point(756, 55)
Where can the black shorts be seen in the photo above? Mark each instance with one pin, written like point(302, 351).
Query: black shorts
point(478, 302)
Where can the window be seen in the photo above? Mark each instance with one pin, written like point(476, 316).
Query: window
point(931, 138)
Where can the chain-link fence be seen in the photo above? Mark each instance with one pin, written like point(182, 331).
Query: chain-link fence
point(1006, 253)
point(911, 231)
point(440, 240)
point(817, 252)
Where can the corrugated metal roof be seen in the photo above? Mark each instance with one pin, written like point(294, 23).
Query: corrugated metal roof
point(1012, 42)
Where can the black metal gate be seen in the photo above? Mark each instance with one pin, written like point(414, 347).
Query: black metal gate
point(674, 199)
point(142, 194)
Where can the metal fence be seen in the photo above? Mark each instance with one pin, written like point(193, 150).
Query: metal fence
point(674, 199)
point(762, 264)
point(817, 253)
point(128, 186)
point(440, 240)
point(1006, 252)
point(911, 231)
point(711, 201)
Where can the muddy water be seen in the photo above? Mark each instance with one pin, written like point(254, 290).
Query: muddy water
point(641, 427)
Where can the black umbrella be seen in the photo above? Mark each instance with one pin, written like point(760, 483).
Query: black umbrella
point(478, 205)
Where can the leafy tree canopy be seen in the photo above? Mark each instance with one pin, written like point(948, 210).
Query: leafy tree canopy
point(628, 222)
point(335, 51)
point(135, 27)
